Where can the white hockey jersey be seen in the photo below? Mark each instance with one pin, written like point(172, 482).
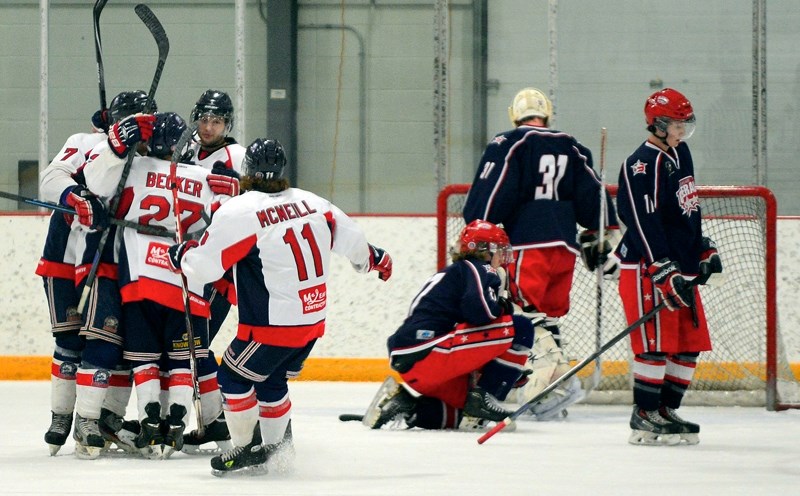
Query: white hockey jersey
point(232, 155)
point(61, 248)
point(147, 199)
point(279, 246)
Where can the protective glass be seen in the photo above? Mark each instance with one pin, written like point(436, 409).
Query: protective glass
point(503, 253)
point(211, 120)
point(682, 130)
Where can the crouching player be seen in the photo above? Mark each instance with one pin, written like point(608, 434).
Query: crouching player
point(460, 350)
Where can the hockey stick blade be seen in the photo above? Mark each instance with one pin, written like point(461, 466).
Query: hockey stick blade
point(583, 363)
point(160, 36)
point(153, 230)
point(351, 417)
point(99, 5)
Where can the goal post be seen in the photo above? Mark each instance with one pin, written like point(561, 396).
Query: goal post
point(748, 365)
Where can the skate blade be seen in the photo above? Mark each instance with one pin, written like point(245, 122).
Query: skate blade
point(54, 448)
point(194, 449)
point(84, 452)
point(646, 438)
point(251, 471)
point(690, 439)
point(152, 452)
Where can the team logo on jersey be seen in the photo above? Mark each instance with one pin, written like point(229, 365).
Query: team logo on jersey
point(639, 168)
point(497, 140)
point(67, 370)
point(111, 324)
point(688, 199)
point(314, 299)
point(100, 378)
point(157, 255)
point(73, 315)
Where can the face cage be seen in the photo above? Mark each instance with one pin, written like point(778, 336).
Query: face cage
point(505, 253)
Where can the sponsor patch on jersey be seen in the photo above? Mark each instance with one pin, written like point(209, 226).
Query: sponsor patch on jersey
point(424, 334)
point(687, 196)
point(157, 255)
point(314, 298)
point(639, 168)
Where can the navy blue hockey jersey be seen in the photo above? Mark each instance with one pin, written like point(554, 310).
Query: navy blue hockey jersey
point(538, 183)
point(659, 204)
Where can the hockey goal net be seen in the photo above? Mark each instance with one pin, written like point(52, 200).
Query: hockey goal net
point(748, 365)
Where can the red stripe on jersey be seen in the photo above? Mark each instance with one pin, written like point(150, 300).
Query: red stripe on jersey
point(107, 270)
point(276, 411)
point(286, 336)
point(59, 270)
point(237, 251)
point(331, 220)
point(165, 294)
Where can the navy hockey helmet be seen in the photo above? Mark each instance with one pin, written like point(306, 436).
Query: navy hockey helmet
point(128, 103)
point(214, 102)
point(167, 131)
point(264, 159)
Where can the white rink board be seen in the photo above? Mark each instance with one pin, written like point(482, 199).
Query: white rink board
point(363, 311)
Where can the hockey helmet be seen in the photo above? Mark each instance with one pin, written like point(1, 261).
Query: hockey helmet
point(264, 159)
point(482, 236)
point(530, 102)
point(214, 102)
point(128, 103)
point(167, 131)
point(667, 106)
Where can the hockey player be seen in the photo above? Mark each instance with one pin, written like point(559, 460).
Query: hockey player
point(279, 241)
point(459, 326)
point(538, 183)
point(63, 182)
point(152, 301)
point(213, 149)
point(661, 250)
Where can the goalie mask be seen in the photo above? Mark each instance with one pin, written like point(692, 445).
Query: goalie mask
point(667, 108)
point(530, 102)
point(128, 103)
point(264, 159)
point(167, 131)
point(214, 103)
point(480, 236)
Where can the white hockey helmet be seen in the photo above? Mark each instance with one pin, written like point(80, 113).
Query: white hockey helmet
point(530, 102)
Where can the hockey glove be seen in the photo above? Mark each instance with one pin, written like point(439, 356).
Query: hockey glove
point(670, 284)
point(177, 252)
point(129, 131)
point(223, 181)
point(100, 121)
point(611, 268)
point(88, 208)
point(381, 261)
point(710, 261)
point(591, 254)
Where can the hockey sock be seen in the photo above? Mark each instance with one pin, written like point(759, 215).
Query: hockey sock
point(648, 379)
point(92, 386)
point(679, 372)
point(62, 380)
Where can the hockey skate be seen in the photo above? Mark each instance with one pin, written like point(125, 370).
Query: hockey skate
point(57, 433)
point(280, 456)
point(649, 428)
point(689, 430)
point(483, 405)
point(150, 438)
point(119, 434)
point(248, 460)
point(215, 432)
point(392, 404)
point(173, 428)
point(476, 424)
point(88, 440)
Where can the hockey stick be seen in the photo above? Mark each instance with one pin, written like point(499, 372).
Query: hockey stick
point(583, 363)
point(98, 52)
point(187, 311)
point(157, 30)
point(155, 231)
point(601, 261)
point(351, 417)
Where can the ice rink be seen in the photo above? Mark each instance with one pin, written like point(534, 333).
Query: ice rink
point(743, 451)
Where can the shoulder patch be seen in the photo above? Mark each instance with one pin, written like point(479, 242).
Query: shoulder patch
point(497, 140)
point(639, 167)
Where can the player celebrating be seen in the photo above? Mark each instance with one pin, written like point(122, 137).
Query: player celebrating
point(460, 325)
point(279, 241)
point(661, 250)
point(213, 149)
point(153, 308)
point(538, 183)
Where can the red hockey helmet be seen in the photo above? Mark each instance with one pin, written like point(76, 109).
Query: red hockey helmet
point(482, 236)
point(667, 106)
